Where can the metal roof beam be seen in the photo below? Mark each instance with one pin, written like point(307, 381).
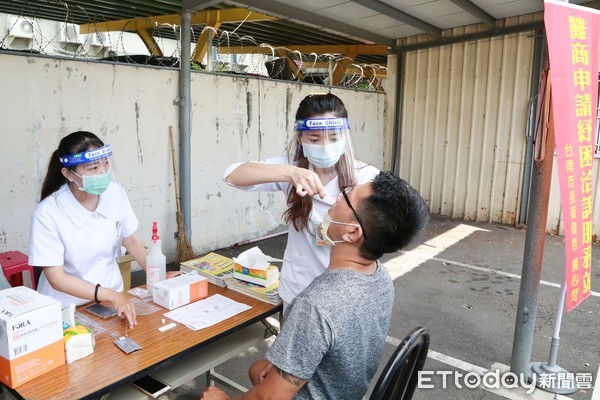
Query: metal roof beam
point(199, 18)
point(205, 41)
point(197, 5)
point(465, 38)
point(307, 17)
point(307, 49)
point(285, 53)
point(373, 80)
point(476, 11)
point(353, 69)
point(398, 15)
point(283, 31)
point(340, 70)
point(131, 7)
point(150, 42)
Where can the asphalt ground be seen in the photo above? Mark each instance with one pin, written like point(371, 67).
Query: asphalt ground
point(461, 281)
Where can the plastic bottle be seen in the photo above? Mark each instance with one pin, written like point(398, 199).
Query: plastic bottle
point(156, 265)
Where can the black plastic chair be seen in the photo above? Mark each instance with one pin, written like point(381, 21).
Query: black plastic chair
point(398, 380)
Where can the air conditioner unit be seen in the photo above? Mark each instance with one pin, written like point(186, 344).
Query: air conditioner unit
point(97, 43)
point(99, 40)
point(69, 34)
point(19, 27)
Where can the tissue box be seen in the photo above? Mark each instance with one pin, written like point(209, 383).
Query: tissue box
point(79, 342)
point(31, 341)
point(180, 290)
point(258, 276)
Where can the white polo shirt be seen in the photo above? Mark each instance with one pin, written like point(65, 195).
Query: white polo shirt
point(86, 243)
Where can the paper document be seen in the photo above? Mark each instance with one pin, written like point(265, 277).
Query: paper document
point(204, 313)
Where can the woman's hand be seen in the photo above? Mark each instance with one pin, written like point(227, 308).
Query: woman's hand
point(173, 274)
point(125, 309)
point(77, 287)
point(253, 173)
point(307, 182)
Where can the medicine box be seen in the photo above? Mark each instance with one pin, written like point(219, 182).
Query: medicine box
point(257, 276)
point(180, 290)
point(31, 335)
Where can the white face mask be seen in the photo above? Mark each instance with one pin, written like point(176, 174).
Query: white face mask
point(324, 155)
point(325, 227)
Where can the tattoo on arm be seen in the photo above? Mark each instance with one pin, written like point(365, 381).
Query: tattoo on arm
point(290, 378)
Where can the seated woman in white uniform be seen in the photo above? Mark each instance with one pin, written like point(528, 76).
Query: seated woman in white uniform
point(79, 225)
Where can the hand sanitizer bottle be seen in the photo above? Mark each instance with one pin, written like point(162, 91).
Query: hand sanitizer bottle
point(156, 266)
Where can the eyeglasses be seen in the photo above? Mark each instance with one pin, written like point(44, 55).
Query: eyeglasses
point(344, 193)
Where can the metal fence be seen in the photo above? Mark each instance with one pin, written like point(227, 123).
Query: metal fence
point(230, 52)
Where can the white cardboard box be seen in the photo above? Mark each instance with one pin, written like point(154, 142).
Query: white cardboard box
point(31, 335)
point(180, 290)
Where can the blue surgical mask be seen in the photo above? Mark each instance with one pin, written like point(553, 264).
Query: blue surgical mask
point(94, 184)
point(324, 156)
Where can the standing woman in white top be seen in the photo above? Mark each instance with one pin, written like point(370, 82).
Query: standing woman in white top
point(79, 225)
point(319, 164)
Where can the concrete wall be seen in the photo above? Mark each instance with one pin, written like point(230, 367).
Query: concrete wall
point(131, 107)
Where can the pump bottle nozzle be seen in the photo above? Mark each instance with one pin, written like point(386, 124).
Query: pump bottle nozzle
point(155, 236)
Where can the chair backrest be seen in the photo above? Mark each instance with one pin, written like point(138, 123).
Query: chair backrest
point(398, 380)
point(37, 272)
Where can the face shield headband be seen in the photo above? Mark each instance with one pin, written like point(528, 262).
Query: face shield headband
point(320, 124)
point(86, 156)
point(323, 140)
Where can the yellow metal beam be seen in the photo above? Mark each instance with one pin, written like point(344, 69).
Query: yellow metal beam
point(352, 69)
point(199, 18)
point(202, 45)
point(285, 53)
point(307, 49)
point(341, 67)
point(379, 73)
point(151, 45)
point(369, 74)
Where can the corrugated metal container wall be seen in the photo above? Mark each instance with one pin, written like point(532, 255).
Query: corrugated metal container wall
point(463, 126)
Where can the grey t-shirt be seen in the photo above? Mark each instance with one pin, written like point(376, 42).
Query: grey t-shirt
point(334, 332)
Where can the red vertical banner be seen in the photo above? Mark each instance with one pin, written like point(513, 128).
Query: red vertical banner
point(573, 35)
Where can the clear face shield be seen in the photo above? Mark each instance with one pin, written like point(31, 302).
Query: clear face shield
point(93, 171)
point(324, 141)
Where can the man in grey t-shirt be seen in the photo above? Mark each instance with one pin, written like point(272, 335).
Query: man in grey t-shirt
point(334, 331)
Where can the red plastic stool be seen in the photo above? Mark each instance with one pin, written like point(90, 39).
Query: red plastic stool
point(14, 263)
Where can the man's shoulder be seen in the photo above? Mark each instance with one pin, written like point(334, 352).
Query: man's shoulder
point(335, 287)
point(319, 295)
point(328, 289)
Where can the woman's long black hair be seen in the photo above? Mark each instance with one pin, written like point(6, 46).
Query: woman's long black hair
point(73, 143)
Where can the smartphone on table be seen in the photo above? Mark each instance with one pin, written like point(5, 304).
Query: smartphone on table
point(151, 386)
point(101, 311)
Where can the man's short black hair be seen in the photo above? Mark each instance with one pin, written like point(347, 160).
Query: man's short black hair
point(393, 214)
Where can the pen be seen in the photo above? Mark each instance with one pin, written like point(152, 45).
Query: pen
point(126, 326)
